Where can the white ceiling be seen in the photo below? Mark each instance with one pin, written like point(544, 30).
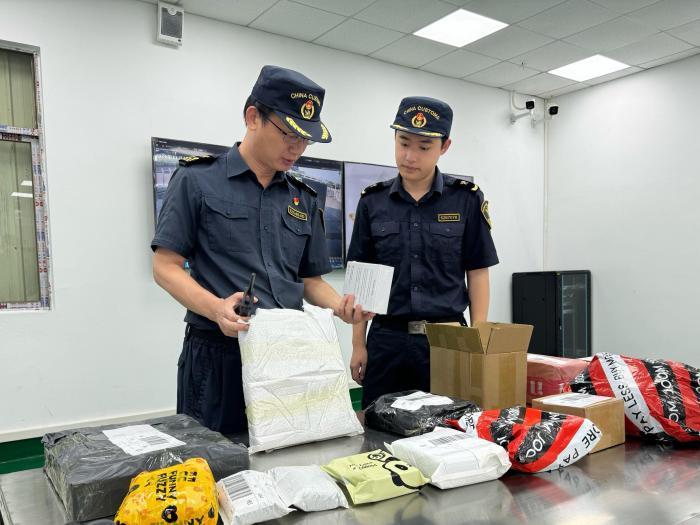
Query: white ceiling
point(543, 35)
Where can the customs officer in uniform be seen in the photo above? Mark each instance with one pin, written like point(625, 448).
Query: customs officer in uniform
point(433, 229)
point(238, 214)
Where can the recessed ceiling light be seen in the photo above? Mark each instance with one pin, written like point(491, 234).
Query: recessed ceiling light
point(460, 28)
point(20, 194)
point(591, 67)
point(26, 183)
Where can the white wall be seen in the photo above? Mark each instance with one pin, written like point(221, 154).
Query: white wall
point(109, 347)
point(623, 202)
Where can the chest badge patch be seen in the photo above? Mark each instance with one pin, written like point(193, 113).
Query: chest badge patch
point(297, 214)
point(448, 217)
point(296, 201)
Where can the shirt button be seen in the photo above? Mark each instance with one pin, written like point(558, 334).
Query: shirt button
point(415, 224)
point(415, 204)
point(415, 288)
point(415, 256)
point(267, 228)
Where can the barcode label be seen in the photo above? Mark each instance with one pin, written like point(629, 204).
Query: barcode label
point(445, 440)
point(154, 440)
point(237, 487)
point(141, 439)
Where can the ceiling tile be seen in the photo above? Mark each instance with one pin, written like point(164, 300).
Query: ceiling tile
point(651, 48)
point(551, 56)
point(612, 35)
point(358, 37)
point(563, 91)
point(340, 7)
point(508, 42)
point(612, 76)
point(510, 11)
point(296, 21)
point(671, 58)
point(412, 51)
point(459, 64)
point(568, 18)
point(501, 74)
point(542, 83)
point(624, 6)
point(405, 15)
point(668, 14)
point(242, 12)
point(689, 33)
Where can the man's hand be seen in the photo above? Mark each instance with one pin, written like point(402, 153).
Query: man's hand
point(350, 312)
point(229, 322)
point(358, 362)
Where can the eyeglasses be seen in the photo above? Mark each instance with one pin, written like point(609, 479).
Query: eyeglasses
point(292, 139)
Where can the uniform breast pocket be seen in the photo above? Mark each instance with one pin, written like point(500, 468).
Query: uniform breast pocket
point(295, 235)
point(229, 228)
point(387, 240)
point(445, 240)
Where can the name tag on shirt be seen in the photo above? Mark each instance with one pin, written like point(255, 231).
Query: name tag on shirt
point(297, 214)
point(448, 217)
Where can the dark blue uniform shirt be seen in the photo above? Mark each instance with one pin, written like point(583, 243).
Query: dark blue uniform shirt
point(430, 243)
point(219, 217)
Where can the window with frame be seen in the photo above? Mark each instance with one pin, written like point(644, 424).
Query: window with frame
point(24, 247)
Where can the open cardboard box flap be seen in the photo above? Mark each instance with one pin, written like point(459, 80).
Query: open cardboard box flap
point(483, 338)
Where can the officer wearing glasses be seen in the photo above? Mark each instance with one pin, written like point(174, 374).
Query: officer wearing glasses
point(236, 214)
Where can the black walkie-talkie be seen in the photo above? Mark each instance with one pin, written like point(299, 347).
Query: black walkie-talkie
point(246, 307)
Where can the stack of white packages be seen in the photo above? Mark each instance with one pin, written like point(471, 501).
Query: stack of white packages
point(451, 459)
point(294, 379)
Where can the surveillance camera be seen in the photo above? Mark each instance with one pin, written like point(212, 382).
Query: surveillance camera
point(553, 109)
point(530, 104)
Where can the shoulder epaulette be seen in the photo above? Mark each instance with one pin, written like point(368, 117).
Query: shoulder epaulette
point(190, 161)
point(374, 188)
point(466, 185)
point(296, 181)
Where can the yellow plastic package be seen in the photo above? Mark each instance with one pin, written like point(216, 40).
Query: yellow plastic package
point(181, 494)
point(375, 476)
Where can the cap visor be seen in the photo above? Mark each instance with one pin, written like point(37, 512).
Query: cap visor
point(417, 131)
point(314, 131)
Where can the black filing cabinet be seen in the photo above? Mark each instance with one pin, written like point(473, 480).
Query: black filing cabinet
point(558, 305)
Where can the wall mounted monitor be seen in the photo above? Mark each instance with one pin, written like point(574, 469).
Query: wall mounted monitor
point(326, 177)
point(166, 155)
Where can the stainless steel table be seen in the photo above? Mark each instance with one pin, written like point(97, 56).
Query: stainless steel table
point(633, 483)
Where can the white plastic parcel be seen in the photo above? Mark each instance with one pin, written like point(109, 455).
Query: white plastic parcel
point(294, 379)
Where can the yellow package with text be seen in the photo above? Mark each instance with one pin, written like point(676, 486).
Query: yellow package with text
point(180, 495)
point(375, 476)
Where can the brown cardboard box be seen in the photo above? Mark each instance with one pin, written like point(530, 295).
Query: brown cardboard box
point(486, 364)
point(608, 414)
